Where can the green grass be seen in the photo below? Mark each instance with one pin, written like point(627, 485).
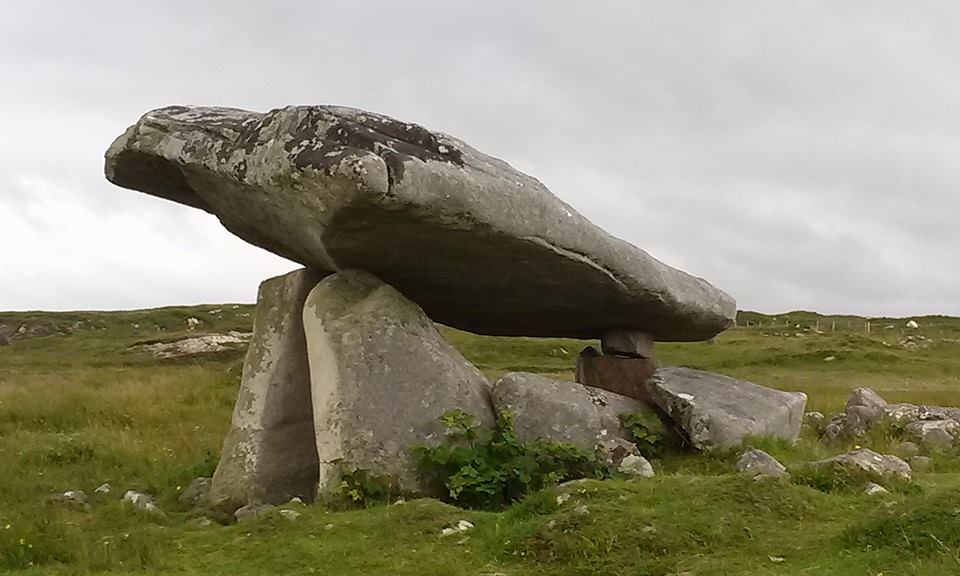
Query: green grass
point(79, 408)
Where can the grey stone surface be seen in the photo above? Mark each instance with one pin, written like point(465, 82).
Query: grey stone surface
point(453, 229)
point(934, 434)
point(626, 376)
point(901, 414)
point(872, 489)
point(631, 343)
point(869, 463)
point(637, 466)
point(269, 454)
point(758, 463)
point(252, 511)
point(866, 397)
point(197, 492)
point(939, 413)
point(381, 378)
point(717, 411)
point(561, 411)
point(612, 451)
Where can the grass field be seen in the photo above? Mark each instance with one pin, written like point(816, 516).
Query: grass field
point(79, 408)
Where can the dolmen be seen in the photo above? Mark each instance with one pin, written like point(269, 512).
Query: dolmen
point(397, 227)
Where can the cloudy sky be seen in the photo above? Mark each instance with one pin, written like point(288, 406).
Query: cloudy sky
point(799, 155)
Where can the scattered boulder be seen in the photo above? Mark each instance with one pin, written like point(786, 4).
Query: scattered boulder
point(912, 324)
point(252, 511)
point(196, 345)
point(716, 411)
point(873, 489)
point(814, 419)
point(141, 501)
point(637, 466)
point(270, 454)
point(197, 492)
point(336, 188)
point(460, 526)
point(935, 434)
point(938, 413)
point(867, 463)
point(866, 398)
point(901, 414)
point(381, 378)
point(71, 498)
point(288, 514)
point(612, 451)
point(559, 411)
point(756, 463)
point(104, 488)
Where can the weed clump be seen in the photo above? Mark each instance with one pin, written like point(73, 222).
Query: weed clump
point(491, 471)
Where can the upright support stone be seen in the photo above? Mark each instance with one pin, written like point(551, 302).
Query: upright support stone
point(618, 374)
point(627, 343)
point(382, 376)
point(269, 455)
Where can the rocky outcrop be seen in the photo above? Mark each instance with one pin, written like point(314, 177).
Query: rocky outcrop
point(381, 378)
point(716, 411)
point(269, 454)
point(559, 411)
point(197, 345)
point(336, 188)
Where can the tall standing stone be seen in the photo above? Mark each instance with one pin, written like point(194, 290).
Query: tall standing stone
point(269, 454)
point(381, 378)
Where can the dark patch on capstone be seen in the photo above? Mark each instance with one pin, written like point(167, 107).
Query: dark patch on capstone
point(391, 140)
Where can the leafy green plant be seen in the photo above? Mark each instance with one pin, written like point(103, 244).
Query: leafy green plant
point(492, 470)
point(359, 489)
point(647, 431)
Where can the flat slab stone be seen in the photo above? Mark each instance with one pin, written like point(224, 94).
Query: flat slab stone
point(560, 411)
point(459, 232)
point(269, 455)
point(717, 411)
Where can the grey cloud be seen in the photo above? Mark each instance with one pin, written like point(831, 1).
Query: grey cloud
point(799, 155)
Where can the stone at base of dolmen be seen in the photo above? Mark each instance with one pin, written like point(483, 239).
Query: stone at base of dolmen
point(269, 455)
point(716, 411)
point(559, 411)
point(618, 374)
point(382, 377)
point(630, 343)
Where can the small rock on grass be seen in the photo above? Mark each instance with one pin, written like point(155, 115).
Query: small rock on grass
point(104, 488)
point(460, 526)
point(636, 465)
point(872, 489)
point(289, 514)
point(142, 501)
point(251, 511)
point(758, 463)
point(72, 498)
point(921, 463)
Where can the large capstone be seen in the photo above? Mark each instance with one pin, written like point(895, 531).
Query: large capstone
point(716, 411)
point(459, 232)
point(382, 377)
point(269, 455)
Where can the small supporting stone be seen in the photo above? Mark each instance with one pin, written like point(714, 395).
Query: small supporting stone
point(630, 343)
point(619, 374)
point(269, 455)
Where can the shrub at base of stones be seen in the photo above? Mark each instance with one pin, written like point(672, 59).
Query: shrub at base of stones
point(491, 470)
point(650, 435)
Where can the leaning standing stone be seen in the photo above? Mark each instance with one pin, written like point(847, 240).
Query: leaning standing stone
point(381, 378)
point(269, 455)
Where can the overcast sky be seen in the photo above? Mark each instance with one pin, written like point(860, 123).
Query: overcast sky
point(799, 155)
